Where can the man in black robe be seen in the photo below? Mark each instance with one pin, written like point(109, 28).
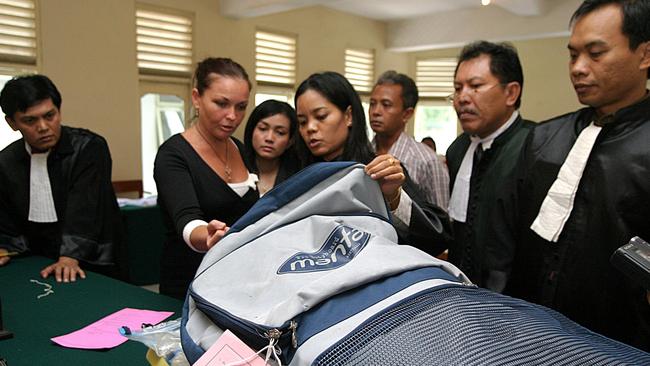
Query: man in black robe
point(56, 197)
point(488, 83)
point(586, 179)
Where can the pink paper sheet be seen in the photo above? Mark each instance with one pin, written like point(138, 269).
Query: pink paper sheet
point(229, 349)
point(104, 333)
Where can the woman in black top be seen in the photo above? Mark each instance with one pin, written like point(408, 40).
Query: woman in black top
point(332, 125)
point(268, 140)
point(203, 183)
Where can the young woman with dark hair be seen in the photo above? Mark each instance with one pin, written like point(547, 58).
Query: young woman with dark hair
point(268, 140)
point(332, 125)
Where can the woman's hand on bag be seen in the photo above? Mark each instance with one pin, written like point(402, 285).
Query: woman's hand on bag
point(388, 172)
point(216, 231)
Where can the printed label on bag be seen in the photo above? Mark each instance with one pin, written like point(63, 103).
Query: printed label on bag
point(340, 247)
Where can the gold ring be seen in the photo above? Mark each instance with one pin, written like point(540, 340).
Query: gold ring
point(390, 161)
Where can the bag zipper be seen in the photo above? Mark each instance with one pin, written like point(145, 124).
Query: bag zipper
point(253, 333)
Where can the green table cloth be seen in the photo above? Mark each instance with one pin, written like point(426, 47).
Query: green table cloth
point(72, 306)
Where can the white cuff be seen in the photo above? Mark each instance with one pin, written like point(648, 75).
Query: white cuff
point(403, 210)
point(187, 232)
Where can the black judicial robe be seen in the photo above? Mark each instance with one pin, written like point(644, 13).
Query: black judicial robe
point(89, 222)
point(483, 246)
point(612, 205)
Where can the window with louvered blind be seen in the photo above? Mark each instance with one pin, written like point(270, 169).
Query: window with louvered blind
point(435, 77)
point(18, 31)
point(360, 69)
point(164, 42)
point(275, 58)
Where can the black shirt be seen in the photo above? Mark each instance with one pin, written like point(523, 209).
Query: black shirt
point(188, 189)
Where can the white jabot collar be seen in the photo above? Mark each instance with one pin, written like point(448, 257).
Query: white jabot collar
point(460, 194)
point(558, 203)
point(41, 201)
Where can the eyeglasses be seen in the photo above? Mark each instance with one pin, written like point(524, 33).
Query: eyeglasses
point(473, 91)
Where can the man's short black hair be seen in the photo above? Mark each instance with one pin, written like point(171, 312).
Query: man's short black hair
point(504, 62)
point(25, 91)
point(409, 89)
point(636, 18)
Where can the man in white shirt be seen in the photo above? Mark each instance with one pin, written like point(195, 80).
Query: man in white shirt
point(392, 104)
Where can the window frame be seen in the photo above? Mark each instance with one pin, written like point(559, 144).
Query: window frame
point(10, 59)
point(170, 12)
point(441, 144)
point(149, 84)
point(289, 93)
point(294, 65)
point(353, 77)
point(426, 75)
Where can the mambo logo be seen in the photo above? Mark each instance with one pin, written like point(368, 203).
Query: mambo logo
point(340, 247)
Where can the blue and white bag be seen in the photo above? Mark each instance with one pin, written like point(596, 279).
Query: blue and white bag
point(325, 232)
point(314, 273)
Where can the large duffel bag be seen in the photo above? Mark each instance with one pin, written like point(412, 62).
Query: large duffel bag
point(325, 232)
point(314, 272)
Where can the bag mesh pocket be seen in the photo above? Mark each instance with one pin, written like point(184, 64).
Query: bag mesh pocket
point(469, 326)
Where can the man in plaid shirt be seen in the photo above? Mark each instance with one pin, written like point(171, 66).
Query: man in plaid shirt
point(392, 104)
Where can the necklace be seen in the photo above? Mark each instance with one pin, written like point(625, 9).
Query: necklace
point(266, 172)
point(263, 188)
point(226, 162)
point(265, 182)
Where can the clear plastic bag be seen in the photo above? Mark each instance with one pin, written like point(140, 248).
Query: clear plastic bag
point(164, 339)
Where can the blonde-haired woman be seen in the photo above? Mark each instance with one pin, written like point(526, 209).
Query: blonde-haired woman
point(203, 184)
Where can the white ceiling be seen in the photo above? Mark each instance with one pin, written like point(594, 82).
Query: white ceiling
point(392, 10)
point(418, 24)
point(376, 9)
